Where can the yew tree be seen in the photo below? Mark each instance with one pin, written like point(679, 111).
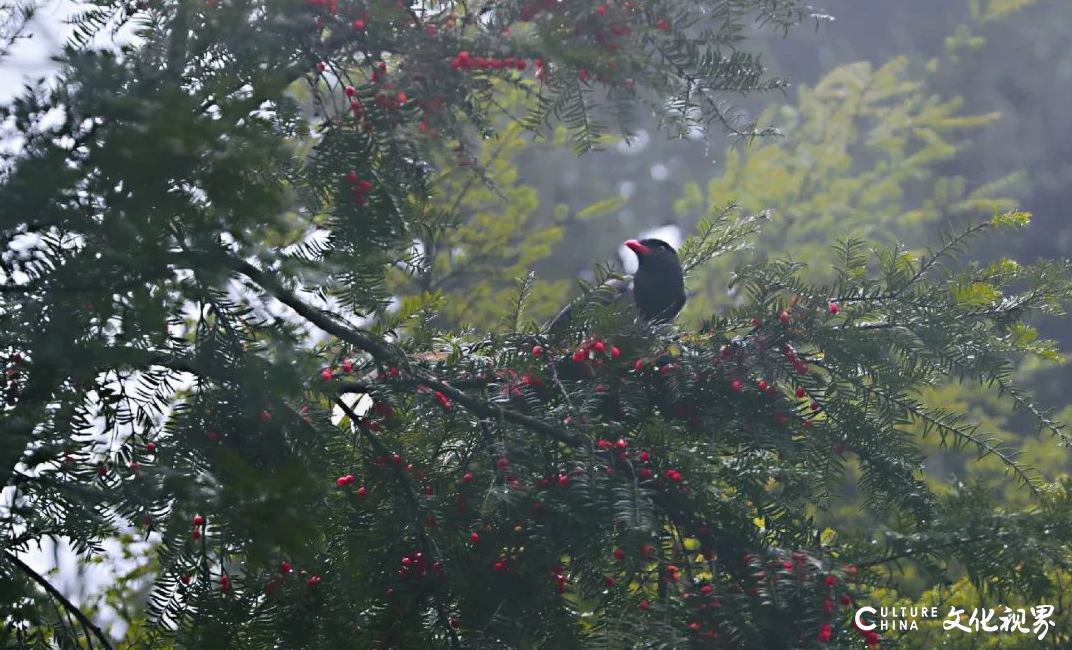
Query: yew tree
point(200, 350)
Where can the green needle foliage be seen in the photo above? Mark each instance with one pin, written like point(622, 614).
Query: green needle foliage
point(202, 235)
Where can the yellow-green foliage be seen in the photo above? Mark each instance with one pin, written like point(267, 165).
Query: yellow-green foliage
point(505, 232)
point(858, 157)
point(966, 597)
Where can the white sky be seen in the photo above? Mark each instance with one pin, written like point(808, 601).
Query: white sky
point(30, 57)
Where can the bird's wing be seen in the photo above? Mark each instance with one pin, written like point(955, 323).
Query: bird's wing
point(607, 293)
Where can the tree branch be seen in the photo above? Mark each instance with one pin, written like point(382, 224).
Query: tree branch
point(54, 593)
point(384, 353)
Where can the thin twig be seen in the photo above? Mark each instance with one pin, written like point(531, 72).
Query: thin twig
point(60, 598)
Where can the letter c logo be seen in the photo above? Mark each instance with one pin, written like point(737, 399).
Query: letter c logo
point(860, 621)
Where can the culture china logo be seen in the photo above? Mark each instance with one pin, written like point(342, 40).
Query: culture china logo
point(1010, 621)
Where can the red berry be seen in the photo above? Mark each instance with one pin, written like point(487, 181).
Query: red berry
point(321, 66)
point(185, 579)
point(644, 605)
point(474, 537)
point(784, 317)
point(350, 91)
point(645, 473)
point(196, 533)
point(468, 478)
point(644, 456)
point(737, 386)
point(285, 567)
point(563, 480)
point(801, 392)
point(537, 350)
point(609, 581)
point(498, 566)
point(829, 581)
point(639, 365)
point(761, 385)
point(662, 25)
point(846, 600)
point(326, 373)
point(361, 491)
point(199, 520)
point(454, 623)
point(599, 346)
point(444, 401)
point(502, 463)
point(619, 554)
point(347, 366)
point(313, 581)
point(359, 25)
point(213, 436)
point(151, 447)
point(756, 322)
point(834, 308)
point(225, 584)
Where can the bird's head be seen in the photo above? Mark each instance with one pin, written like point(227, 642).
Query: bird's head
point(658, 284)
point(647, 248)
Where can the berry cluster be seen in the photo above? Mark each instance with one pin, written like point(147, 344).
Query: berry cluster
point(361, 189)
point(464, 61)
point(595, 350)
point(11, 378)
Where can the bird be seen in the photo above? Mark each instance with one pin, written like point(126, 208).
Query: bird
point(658, 286)
point(659, 283)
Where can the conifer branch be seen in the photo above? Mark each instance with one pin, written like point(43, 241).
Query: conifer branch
point(68, 606)
point(382, 353)
point(983, 446)
point(411, 496)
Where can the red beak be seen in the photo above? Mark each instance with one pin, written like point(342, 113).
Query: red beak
point(637, 247)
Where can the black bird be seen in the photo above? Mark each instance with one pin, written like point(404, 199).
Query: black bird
point(658, 284)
